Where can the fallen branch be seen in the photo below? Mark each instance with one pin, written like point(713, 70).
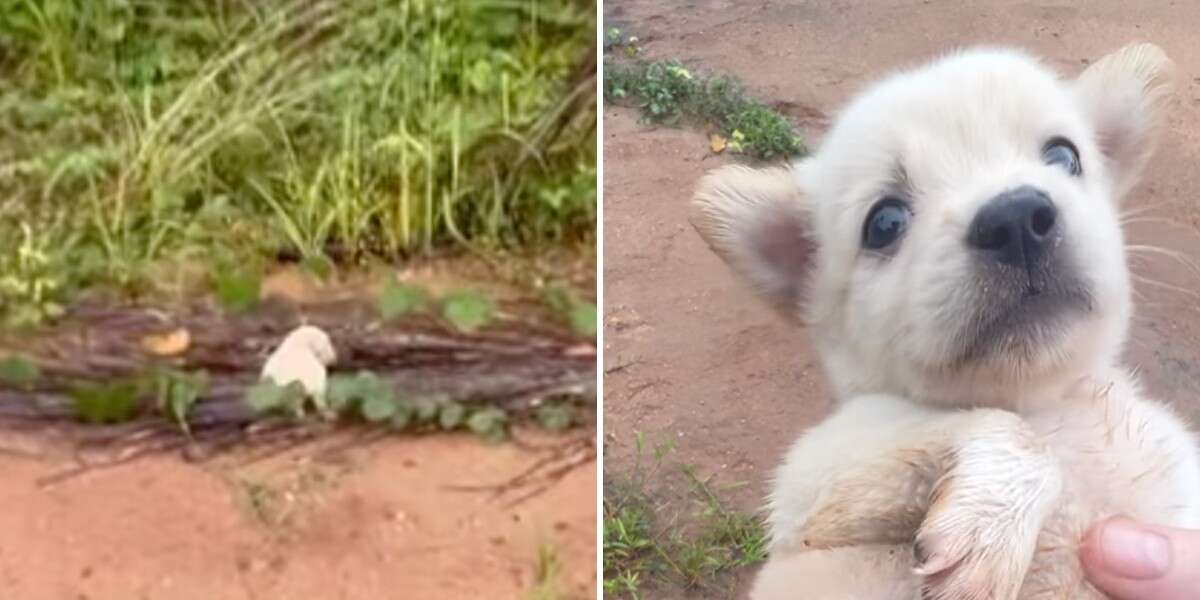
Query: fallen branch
point(513, 367)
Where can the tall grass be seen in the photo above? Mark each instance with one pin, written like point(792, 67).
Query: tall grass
point(134, 132)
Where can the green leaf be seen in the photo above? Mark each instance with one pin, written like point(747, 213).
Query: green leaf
point(264, 396)
point(426, 409)
point(580, 315)
point(238, 291)
point(342, 391)
point(556, 417)
point(468, 311)
point(451, 415)
point(379, 406)
point(177, 393)
point(19, 371)
point(399, 299)
point(372, 395)
point(106, 403)
point(489, 423)
point(319, 265)
point(559, 298)
point(403, 417)
point(583, 319)
point(269, 397)
point(371, 385)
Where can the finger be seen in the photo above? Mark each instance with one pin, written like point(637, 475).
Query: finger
point(1134, 561)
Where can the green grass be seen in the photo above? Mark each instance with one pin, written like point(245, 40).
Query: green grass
point(667, 92)
point(548, 576)
point(139, 133)
point(646, 548)
point(261, 500)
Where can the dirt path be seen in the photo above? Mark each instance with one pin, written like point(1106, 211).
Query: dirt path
point(365, 523)
point(690, 355)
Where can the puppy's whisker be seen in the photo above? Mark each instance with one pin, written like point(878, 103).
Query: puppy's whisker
point(1146, 253)
point(1148, 249)
point(1167, 286)
point(1140, 210)
point(1137, 219)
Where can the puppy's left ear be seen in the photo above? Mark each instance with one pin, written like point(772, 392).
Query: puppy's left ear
point(1126, 95)
point(758, 222)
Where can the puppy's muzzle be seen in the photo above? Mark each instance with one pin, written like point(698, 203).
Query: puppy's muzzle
point(1015, 228)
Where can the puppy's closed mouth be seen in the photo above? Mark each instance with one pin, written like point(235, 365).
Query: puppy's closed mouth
point(1020, 323)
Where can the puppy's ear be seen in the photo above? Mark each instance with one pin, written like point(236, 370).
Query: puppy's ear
point(1126, 95)
point(757, 221)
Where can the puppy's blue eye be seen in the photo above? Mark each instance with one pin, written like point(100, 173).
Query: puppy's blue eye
point(887, 221)
point(1060, 152)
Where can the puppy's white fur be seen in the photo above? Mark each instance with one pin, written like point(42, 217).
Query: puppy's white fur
point(302, 356)
point(945, 473)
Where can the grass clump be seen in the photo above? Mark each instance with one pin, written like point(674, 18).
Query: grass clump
point(666, 92)
point(548, 574)
point(643, 550)
point(138, 133)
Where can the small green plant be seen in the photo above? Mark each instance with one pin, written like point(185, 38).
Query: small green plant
point(238, 291)
point(371, 398)
point(630, 551)
point(489, 423)
point(32, 281)
point(641, 552)
point(267, 397)
point(667, 92)
point(547, 584)
point(467, 310)
point(261, 499)
point(451, 415)
point(726, 540)
point(613, 35)
point(366, 394)
point(19, 371)
point(556, 416)
point(578, 314)
point(399, 299)
point(110, 402)
point(176, 393)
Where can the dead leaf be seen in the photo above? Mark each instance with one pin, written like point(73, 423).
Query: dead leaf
point(171, 343)
point(717, 142)
point(581, 350)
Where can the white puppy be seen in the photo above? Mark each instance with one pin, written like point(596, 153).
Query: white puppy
point(302, 356)
point(954, 250)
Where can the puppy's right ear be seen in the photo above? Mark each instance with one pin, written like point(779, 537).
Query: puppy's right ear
point(1126, 94)
point(756, 220)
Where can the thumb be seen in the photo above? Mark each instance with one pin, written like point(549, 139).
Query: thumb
point(1129, 560)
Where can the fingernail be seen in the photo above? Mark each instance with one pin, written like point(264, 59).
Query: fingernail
point(1133, 552)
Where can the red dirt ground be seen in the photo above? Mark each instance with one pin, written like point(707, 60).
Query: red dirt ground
point(691, 355)
point(322, 522)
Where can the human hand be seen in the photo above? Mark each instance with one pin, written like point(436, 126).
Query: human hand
point(1129, 560)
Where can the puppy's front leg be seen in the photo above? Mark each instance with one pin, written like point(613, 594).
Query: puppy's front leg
point(970, 489)
point(998, 485)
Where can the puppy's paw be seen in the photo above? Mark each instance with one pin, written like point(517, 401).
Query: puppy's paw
point(961, 557)
point(980, 533)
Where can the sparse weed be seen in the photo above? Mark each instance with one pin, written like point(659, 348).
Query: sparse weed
point(667, 92)
point(547, 584)
point(32, 282)
point(642, 549)
point(262, 500)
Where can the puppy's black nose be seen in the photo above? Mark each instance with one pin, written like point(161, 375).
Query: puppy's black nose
point(1014, 228)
